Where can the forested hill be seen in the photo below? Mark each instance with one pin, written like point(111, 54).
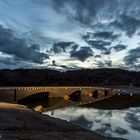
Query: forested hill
point(84, 77)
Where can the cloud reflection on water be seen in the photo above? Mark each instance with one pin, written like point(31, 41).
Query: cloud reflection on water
point(118, 123)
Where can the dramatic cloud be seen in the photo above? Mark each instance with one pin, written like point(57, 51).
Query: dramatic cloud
point(7, 61)
point(82, 54)
point(106, 35)
point(106, 63)
point(12, 45)
point(132, 57)
point(119, 47)
point(109, 28)
point(14, 62)
point(97, 56)
point(99, 44)
point(62, 46)
point(88, 9)
point(127, 24)
point(100, 41)
point(107, 52)
point(93, 10)
point(87, 36)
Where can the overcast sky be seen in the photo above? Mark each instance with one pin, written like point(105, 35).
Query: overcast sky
point(70, 34)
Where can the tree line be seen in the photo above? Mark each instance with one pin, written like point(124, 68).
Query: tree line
point(83, 77)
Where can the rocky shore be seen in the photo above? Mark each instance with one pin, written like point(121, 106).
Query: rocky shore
point(19, 123)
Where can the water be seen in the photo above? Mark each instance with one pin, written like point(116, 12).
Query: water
point(117, 123)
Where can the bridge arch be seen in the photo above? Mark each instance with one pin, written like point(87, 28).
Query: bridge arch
point(75, 96)
point(95, 94)
point(34, 98)
point(106, 93)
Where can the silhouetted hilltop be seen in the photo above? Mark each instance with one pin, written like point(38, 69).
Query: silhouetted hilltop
point(84, 77)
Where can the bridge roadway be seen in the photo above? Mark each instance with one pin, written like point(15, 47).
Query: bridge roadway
point(66, 96)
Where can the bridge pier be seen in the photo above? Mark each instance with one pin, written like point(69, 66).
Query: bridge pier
point(15, 92)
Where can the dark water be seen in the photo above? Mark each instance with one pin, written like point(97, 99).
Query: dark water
point(117, 123)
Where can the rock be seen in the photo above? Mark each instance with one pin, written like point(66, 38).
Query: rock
point(38, 108)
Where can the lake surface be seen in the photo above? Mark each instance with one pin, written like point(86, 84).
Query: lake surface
point(117, 123)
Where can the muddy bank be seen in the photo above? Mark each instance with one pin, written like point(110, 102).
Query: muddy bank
point(19, 123)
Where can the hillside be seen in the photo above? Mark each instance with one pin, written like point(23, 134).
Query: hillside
point(84, 77)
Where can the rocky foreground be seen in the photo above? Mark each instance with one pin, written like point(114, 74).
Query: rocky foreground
point(19, 123)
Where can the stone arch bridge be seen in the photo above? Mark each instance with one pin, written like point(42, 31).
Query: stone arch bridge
point(66, 96)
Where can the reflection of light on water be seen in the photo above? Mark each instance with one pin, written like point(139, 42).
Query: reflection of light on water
point(117, 123)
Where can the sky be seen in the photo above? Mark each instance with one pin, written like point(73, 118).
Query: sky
point(70, 34)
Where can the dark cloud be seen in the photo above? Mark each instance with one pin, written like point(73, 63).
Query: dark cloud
point(132, 56)
point(8, 61)
point(82, 54)
point(119, 47)
point(88, 12)
point(96, 40)
point(84, 11)
point(127, 23)
point(62, 46)
point(35, 47)
point(108, 52)
point(99, 44)
point(136, 67)
point(14, 62)
point(105, 20)
point(16, 47)
point(106, 63)
point(97, 56)
point(106, 35)
point(87, 36)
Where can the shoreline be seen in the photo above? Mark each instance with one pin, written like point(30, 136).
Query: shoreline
point(17, 122)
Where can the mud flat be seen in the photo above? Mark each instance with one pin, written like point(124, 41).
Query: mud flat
point(19, 123)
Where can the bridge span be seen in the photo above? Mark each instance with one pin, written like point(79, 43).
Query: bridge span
point(66, 96)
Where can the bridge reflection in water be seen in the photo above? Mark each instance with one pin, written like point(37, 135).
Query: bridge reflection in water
point(51, 98)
